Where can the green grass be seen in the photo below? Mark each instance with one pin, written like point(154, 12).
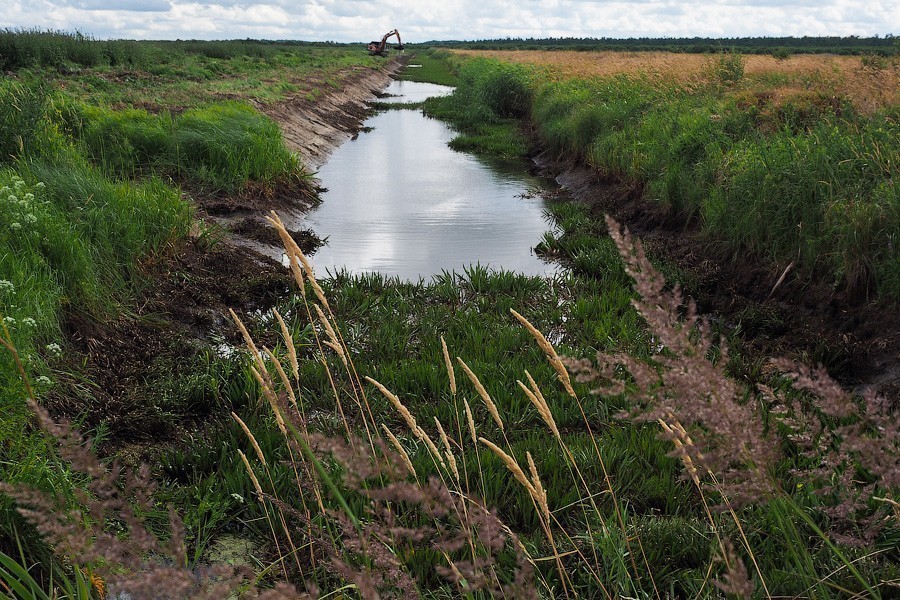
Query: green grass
point(809, 180)
point(435, 67)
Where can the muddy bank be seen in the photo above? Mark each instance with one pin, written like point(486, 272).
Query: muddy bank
point(143, 373)
point(313, 127)
point(801, 318)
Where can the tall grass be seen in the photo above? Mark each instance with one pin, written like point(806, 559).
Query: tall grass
point(807, 180)
point(394, 499)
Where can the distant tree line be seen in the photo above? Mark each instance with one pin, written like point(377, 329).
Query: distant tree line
point(35, 48)
point(888, 45)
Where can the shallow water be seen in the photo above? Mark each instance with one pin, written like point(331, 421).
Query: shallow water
point(402, 203)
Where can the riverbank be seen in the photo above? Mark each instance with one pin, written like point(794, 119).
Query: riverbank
point(500, 471)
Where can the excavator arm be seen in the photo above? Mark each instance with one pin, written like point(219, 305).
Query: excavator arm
point(379, 48)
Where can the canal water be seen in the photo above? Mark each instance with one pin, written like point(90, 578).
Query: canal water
point(401, 202)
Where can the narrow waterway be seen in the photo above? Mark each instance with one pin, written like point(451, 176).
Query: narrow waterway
point(402, 203)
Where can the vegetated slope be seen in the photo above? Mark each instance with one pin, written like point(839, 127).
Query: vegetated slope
point(772, 169)
point(110, 286)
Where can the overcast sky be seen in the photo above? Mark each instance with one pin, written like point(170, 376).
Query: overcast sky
point(423, 20)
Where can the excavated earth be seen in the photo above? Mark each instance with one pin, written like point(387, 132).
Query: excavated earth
point(124, 372)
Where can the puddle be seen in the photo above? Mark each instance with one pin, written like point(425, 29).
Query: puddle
point(402, 203)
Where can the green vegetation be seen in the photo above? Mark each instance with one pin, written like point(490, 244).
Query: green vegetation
point(615, 513)
point(93, 189)
point(176, 75)
point(435, 68)
point(486, 107)
point(808, 180)
point(885, 46)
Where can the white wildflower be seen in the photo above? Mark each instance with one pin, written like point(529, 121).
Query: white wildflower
point(30, 218)
point(15, 226)
point(9, 320)
point(28, 322)
point(39, 185)
point(13, 198)
point(6, 286)
point(54, 349)
point(43, 380)
point(4, 190)
point(29, 196)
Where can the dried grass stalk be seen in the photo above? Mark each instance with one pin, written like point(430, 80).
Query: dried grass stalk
point(470, 420)
point(554, 359)
point(449, 365)
point(448, 451)
point(492, 408)
point(289, 344)
point(256, 486)
point(511, 464)
point(250, 436)
point(400, 450)
point(404, 412)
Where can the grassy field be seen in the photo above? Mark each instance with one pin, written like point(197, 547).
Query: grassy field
point(791, 160)
point(102, 146)
point(693, 473)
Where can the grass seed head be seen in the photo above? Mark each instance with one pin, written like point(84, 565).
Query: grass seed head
point(511, 464)
point(250, 436)
point(554, 359)
point(492, 408)
point(449, 365)
point(401, 451)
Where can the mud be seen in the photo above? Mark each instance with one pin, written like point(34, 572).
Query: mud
point(804, 319)
point(140, 374)
point(315, 127)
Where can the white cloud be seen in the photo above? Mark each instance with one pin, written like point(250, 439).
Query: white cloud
point(420, 20)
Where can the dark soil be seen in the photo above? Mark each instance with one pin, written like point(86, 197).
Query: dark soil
point(804, 319)
point(144, 374)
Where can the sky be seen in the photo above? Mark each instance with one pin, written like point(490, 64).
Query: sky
point(425, 20)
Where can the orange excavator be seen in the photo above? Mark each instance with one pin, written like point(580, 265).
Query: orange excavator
point(380, 48)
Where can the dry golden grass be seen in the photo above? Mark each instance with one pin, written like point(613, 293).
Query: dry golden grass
point(844, 76)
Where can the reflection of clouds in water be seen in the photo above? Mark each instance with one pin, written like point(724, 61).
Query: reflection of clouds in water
point(403, 203)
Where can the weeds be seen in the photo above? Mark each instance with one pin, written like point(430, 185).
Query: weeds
point(401, 515)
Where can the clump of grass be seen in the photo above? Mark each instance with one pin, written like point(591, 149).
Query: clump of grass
point(346, 512)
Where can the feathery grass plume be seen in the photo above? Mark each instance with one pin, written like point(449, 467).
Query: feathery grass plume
point(683, 385)
point(252, 438)
point(259, 492)
point(272, 399)
point(511, 464)
point(552, 357)
point(540, 494)
point(469, 420)
point(680, 438)
point(401, 451)
point(432, 447)
point(492, 408)
point(449, 365)
point(404, 412)
point(289, 345)
point(448, 451)
point(333, 341)
point(735, 581)
point(540, 403)
point(251, 345)
point(297, 272)
point(294, 250)
point(283, 376)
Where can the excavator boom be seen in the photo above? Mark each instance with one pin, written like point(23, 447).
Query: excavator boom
point(376, 48)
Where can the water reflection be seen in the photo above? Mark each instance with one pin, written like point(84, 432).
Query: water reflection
point(401, 202)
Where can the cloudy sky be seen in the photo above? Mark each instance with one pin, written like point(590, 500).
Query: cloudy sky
point(423, 20)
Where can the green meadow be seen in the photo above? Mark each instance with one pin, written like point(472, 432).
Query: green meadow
point(381, 436)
